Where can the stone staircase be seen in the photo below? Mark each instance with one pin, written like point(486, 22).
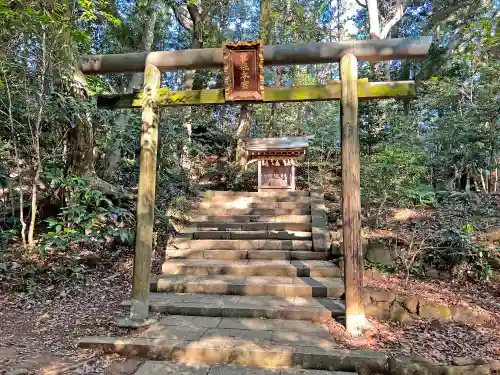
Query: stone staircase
point(248, 284)
point(249, 245)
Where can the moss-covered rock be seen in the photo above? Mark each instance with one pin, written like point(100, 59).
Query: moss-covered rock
point(467, 370)
point(411, 304)
point(428, 311)
point(378, 310)
point(398, 313)
point(379, 295)
point(379, 253)
point(406, 365)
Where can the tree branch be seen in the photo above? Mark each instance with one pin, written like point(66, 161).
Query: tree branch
point(446, 12)
point(182, 22)
point(361, 4)
point(398, 14)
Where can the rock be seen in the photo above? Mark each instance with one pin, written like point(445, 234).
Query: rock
point(437, 274)
point(467, 370)
point(380, 295)
point(492, 234)
point(18, 371)
point(463, 361)
point(480, 315)
point(406, 365)
point(411, 304)
point(378, 310)
point(336, 251)
point(494, 364)
point(495, 262)
point(397, 313)
point(372, 274)
point(434, 312)
point(462, 314)
point(377, 252)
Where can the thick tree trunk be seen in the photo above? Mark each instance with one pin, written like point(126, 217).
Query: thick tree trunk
point(274, 107)
point(190, 81)
point(245, 122)
point(243, 131)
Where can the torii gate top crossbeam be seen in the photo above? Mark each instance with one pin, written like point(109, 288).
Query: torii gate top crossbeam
point(282, 54)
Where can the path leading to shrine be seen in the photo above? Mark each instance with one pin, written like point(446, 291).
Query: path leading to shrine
point(248, 284)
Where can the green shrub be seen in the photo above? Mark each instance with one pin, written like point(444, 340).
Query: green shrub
point(87, 216)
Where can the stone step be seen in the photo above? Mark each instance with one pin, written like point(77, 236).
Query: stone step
point(294, 268)
point(274, 194)
point(281, 286)
point(223, 226)
point(262, 211)
point(180, 243)
point(172, 368)
point(270, 307)
point(247, 235)
point(244, 254)
point(209, 341)
point(243, 352)
point(252, 219)
point(218, 199)
point(243, 204)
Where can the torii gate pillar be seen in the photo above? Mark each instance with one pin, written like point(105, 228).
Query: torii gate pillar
point(351, 200)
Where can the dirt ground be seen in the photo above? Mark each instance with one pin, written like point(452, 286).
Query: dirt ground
point(38, 333)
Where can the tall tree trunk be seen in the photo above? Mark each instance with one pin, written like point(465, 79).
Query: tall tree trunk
point(190, 82)
point(245, 120)
point(80, 138)
point(274, 106)
point(243, 131)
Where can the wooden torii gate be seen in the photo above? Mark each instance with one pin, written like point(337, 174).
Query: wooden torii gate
point(349, 90)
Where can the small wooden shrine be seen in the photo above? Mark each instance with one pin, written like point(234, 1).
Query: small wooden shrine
point(276, 158)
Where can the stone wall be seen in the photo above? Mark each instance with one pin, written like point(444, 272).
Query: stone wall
point(384, 304)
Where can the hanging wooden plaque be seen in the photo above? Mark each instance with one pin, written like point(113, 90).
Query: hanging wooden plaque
point(243, 71)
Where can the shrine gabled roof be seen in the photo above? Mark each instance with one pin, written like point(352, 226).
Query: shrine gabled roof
point(283, 144)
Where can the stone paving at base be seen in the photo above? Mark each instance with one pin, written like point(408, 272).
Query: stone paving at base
point(263, 343)
point(256, 331)
point(169, 368)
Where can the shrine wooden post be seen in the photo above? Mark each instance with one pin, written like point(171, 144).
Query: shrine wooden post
point(139, 303)
point(351, 200)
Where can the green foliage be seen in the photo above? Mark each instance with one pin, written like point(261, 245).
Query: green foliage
point(398, 173)
point(232, 177)
point(461, 254)
point(87, 216)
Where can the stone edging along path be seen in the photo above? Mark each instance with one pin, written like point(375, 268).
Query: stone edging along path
point(384, 304)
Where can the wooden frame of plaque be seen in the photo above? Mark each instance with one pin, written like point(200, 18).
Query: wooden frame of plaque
point(243, 71)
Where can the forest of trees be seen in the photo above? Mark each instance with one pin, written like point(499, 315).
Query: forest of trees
point(69, 171)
